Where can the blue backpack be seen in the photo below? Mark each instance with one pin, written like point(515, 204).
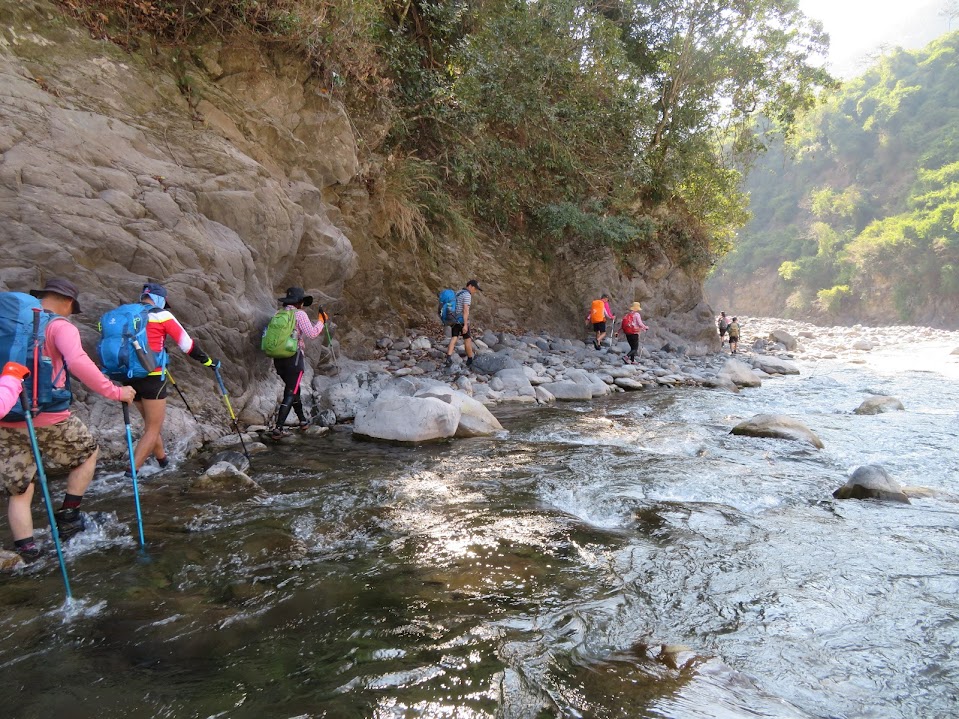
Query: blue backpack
point(23, 333)
point(123, 348)
point(447, 307)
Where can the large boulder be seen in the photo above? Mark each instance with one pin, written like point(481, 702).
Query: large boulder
point(774, 365)
point(407, 419)
point(871, 481)
point(475, 419)
point(878, 405)
point(739, 373)
point(777, 426)
point(493, 362)
point(597, 387)
point(784, 338)
point(568, 391)
point(515, 380)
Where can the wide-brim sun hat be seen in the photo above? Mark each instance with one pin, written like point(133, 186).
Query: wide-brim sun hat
point(635, 307)
point(295, 296)
point(61, 286)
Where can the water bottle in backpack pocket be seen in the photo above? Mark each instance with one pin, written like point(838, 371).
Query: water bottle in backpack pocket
point(123, 347)
point(279, 338)
point(23, 329)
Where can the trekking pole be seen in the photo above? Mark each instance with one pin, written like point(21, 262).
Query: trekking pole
point(326, 326)
point(133, 472)
point(226, 399)
point(610, 335)
point(180, 392)
point(42, 478)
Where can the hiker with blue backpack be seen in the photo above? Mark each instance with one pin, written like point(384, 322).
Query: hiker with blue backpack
point(11, 380)
point(132, 351)
point(35, 333)
point(460, 320)
point(284, 341)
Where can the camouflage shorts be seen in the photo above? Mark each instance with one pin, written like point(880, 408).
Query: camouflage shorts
point(63, 446)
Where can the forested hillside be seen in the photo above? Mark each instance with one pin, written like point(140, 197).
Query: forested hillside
point(539, 122)
point(856, 215)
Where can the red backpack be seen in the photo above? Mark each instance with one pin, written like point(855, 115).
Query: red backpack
point(632, 324)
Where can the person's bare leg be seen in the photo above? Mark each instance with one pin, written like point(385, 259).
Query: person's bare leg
point(154, 412)
point(18, 514)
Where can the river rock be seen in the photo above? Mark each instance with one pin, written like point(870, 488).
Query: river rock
point(878, 405)
point(224, 477)
point(475, 419)
point(628, 383)
point(513, 380)
point(543, 396)
point(407, 419)
point(784, 338)
point(493, 363)
point(421, 343)
point(721, 383)
point(568, 391)
point(777, 426)
point(739, 373)
point(237, 459)
point(871, 481)
point(10, 561)
point(863, 345)
point(774, 365)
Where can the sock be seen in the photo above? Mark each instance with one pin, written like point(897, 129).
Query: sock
point(71, 501)
point(24, 543)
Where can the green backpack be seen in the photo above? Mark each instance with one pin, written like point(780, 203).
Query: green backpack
point(279, 337)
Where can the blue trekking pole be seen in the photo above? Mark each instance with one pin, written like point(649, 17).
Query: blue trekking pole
point(226, 400)
point(42, 478)
point(133, 471)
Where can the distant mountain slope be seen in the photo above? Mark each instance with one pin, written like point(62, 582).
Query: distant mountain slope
point(857, 217)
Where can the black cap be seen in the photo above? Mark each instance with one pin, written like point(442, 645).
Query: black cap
point(295, 296)
point(475, 283)
point(63, 287)
point(154, 288)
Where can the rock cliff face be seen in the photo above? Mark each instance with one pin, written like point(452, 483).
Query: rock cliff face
point(229, 180)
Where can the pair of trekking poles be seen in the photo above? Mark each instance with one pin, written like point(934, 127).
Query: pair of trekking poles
point(42, 477)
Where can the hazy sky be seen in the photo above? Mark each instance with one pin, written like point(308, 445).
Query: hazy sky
point(856, 27)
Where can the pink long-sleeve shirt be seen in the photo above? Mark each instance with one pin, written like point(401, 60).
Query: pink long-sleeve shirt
point(63, 344)
point(305, 328)
point(9, 393)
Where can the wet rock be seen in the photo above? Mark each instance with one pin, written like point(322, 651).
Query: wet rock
point(721, 383)
point(629, 384)
point(407, 419)
point(232, 440)
point(878, 405)
point(224, 477)
point(871, 481)
point(10, 561)
point(325, 418)
point(777, 426)
point(237, 459)
point(543, 396)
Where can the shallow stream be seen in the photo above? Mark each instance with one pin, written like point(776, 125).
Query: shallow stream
point(620, 558)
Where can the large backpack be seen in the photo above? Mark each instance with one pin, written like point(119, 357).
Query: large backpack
point(123, 347)
point(280, 338)
point(23, 330)
point(597, 311)
point(447, 310)
point(631, 324)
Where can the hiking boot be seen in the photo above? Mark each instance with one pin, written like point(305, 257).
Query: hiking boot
point(29, 553)
point(69, 523)
point(469, 361)
point(304, 425)
point(277, 434)
point(164, 462)
point(449, 361)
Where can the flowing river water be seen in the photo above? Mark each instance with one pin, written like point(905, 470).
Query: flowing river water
point(625, 557)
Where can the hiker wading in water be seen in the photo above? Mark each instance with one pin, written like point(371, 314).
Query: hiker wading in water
point(62, 437)
point(290, 369)
point(151, 390)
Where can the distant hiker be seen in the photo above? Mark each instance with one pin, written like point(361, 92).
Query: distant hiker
point(632, 325)
point(283, 340)
point(10, 383)
point(733, 335)
point(461, 326)
point(599, 312)
point(722, 323)
point(132, 352)
point(62, 437)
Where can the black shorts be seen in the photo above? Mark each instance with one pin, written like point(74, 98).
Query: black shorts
point(734, 339)
point(150, 387)
point(457, 331)
point(722, 331)
point(599, 326)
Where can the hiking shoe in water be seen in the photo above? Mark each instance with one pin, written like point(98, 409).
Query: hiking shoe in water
point(69, 523)
point(277, 434)
point(304, 425)
point(164, 462)
point(29, 553)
